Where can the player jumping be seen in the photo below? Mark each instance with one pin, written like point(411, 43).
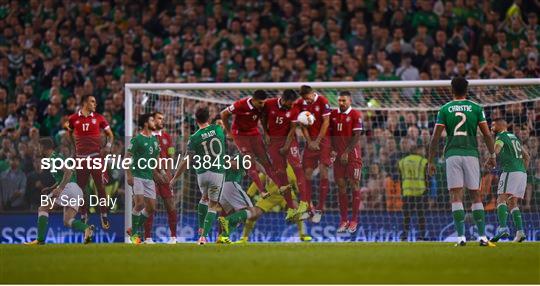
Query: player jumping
point(205, 151)
point(86, 126)
point(166, 148)
point(246, 135)
point(345, 130)
point(317, 152)
point(513, 181)
point(64, 190)
point(279, 121)
point(142, 148)
point(461, 118)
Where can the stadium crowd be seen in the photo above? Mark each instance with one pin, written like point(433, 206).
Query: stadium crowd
point(54, 52)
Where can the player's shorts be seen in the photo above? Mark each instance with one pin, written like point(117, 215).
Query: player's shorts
point(250, 145)
point(311, 159)
point(232, 197)
point(210, 184)
point(463, 171)
point(70, 197)
point(513, 183)
point(164, 191)
point(144, 187)
point(280, 161)
point(352, 170)
point(268, 203)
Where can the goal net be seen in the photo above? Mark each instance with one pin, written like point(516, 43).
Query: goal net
point(397, 116)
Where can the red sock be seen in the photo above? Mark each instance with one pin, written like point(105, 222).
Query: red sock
point(343, 198)
point(324, 185)
point(307, 195)
point(148, 226)
point(254, 176)
point(288, 198)
point(356, 205)
point(172, 222)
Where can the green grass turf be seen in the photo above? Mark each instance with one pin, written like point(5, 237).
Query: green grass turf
point(271, 263)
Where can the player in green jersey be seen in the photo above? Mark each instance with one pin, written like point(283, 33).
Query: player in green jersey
point(513, 159)
point(205, 151)
point(64, 193)
point(461, 118)
point(143, 149)
point(233, 199)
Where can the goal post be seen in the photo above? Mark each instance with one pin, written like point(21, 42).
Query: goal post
point(413, 104)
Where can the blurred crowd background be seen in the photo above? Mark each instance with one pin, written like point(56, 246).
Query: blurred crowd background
point(54, 52)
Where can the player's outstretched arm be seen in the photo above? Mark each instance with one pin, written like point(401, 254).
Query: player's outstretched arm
point(490, 144)
point(225, 114)
point(289, 139)
point(109, 139)
point(433, 144)
point(324, 128)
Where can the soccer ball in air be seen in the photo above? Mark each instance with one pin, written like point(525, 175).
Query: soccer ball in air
point(306, 118)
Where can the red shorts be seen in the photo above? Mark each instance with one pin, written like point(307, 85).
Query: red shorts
point(311, 159)
point(164, 191)
point(250, 145)
point(352, 170)
point(280, 161)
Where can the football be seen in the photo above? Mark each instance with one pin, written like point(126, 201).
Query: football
point(306, 118)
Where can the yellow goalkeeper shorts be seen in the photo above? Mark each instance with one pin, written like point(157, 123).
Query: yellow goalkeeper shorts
point(267, 204)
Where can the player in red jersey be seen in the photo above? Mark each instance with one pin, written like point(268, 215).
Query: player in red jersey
point(317, 151)
point(85, 127)
point(166, 147)
point(279, 122)
point(247, 137)
point(345, 130)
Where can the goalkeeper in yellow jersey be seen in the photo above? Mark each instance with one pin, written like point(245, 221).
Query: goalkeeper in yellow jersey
point(274, 199)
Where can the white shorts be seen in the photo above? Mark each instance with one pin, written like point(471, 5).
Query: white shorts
point(210, 184)
point(232, 197)
point(70, 197)
point(463, 171)
point(513, 183)
point(144, 187)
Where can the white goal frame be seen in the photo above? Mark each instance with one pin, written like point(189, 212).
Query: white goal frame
point(131, 88)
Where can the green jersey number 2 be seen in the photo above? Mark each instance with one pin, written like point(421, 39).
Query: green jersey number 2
point(461, 123)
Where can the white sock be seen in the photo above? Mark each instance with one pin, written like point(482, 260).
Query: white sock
point(477, 206)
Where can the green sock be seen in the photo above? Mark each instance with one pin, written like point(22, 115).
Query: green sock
point(79, 225)
point(201, 211)
point(248, 228)
point(459, 218)
point(479, 218)
point(239, 216)
point(43, 225)
point(518, 221)
point(134, 224)
point(502, 214)
point(209, 222)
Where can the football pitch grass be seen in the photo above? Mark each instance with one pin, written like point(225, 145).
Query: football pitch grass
point(272, 263)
